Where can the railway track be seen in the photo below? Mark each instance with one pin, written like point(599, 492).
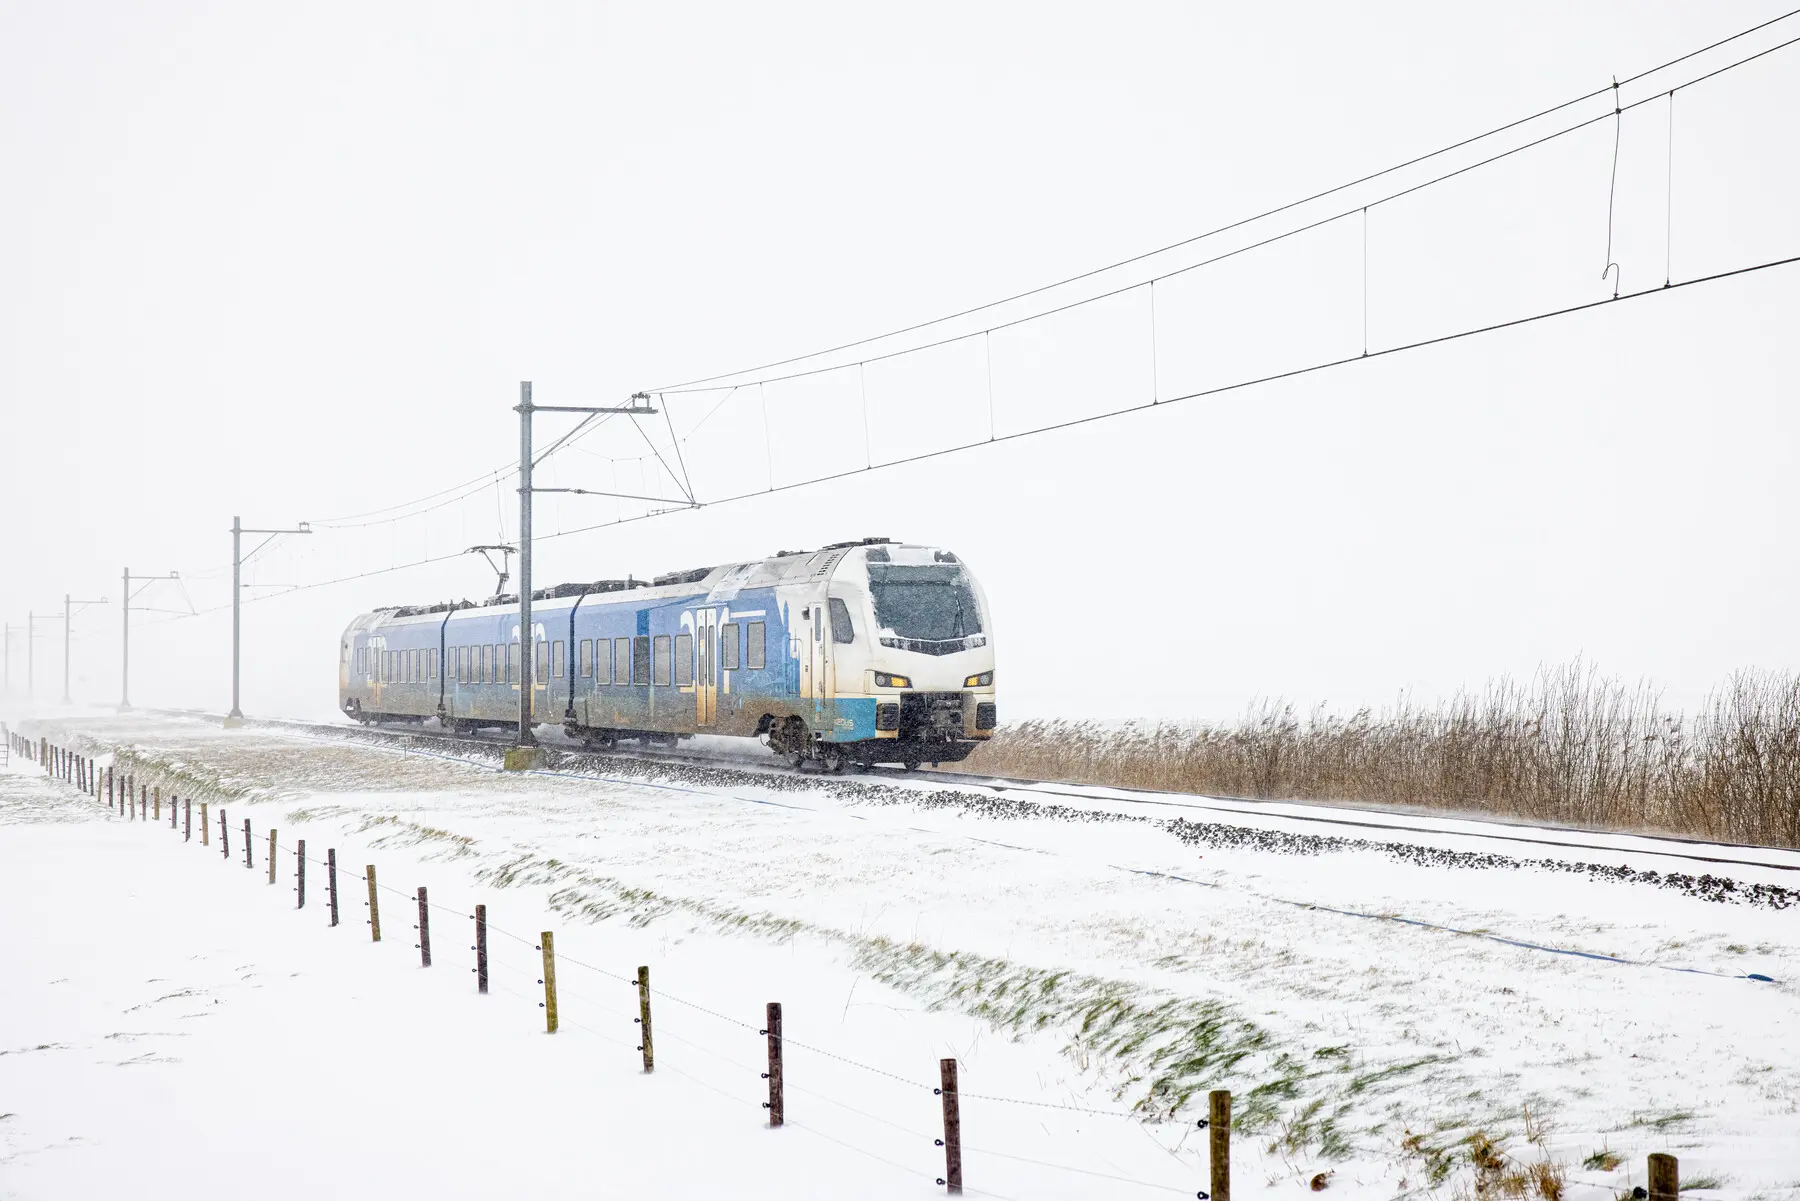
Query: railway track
point(1094, 798)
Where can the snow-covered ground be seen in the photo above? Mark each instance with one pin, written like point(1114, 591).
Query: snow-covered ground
point(1079, 954)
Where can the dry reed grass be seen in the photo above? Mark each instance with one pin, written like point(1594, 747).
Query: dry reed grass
point(1569, 746)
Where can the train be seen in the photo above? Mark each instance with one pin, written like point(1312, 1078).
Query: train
point(852, 655)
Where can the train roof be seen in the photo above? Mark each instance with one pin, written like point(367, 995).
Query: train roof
point(783, 567)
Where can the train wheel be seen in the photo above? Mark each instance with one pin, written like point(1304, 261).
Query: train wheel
point(911, 765)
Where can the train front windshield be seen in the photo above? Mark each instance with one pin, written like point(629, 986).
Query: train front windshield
point(930, 603)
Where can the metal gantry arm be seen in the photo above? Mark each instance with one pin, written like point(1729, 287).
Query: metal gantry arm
point(639, 407)
point(125, 621)
point(237, 596)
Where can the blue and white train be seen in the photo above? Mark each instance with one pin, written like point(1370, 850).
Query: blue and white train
point(859, 653)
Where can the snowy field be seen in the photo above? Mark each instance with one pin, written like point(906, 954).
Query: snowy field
point(171, 1025)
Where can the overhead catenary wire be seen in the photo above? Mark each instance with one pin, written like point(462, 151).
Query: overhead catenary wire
point(1241, 222)
point(1074, 422)
point(1261, 243)
point(773, 487)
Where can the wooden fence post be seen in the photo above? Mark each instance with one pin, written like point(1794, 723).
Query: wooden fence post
point(205, 826)
point(374, 907)
point(424, 929)
point(1665, 1178)
point(174, 819)
point(481, 948)
point(156, 803)
point(648, 1047)
point(144, 802)
point(952, 1139)
point(247, 847)
point(271, 856)
point(300, 873)
point(187, 820)
point(224, 837)
point(112, 802)
point(1218, 1119)
point(331, 881)
point(548, 946)
point(772, 1020)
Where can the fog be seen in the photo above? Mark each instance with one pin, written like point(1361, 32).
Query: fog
point(293, 263)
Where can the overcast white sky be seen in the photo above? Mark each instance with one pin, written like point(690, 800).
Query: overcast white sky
point(292, 262)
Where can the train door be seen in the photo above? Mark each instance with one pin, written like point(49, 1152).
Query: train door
point(706, 667)
point(816, 654)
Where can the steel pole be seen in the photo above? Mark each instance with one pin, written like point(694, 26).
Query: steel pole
point(66, 699)
point(526, 737)
point(237, 593)
point(125, 643)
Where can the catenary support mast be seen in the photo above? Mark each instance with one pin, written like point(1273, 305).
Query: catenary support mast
point(237, 597)
point(639, 406)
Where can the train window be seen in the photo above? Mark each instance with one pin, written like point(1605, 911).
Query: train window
point(602, 660)
point(559, 659)
point(459, 663)
point(755, 649)
point(841, 629)
point(585, 657)
point(412, 667)
point(684, 660)
point(540, 671)
point(662, 660)
point(487, 664)
point(622, 659)
point(728, 646)
point(431, 663)
point(515, 664)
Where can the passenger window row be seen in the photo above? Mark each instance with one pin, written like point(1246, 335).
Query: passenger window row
point(620, 661)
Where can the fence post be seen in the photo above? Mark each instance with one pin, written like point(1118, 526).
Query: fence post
point(647, 1046)
point(112, 802)
point(174, 818)
point(331, 881)
point(774, 1105)
point(205, 826)
point(300, 873)
point(187, 820)
point(548, 946)
point(481, 948)
point(424, 929)
point(247, 846)
point(156, 803)
point(1665, 1178)
point(224, 837)
point(1218, 1119)
point(952, 1139)
point(374, 907)
point(271, 856)
point(144, 801)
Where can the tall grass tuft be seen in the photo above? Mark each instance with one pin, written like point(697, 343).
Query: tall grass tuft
point(1568, 746)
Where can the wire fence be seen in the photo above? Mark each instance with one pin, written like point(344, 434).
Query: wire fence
point(134, 800)
point(596, 991)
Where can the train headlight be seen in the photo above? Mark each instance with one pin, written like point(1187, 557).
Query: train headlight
point(980, 681)
point(884, 680)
